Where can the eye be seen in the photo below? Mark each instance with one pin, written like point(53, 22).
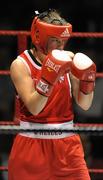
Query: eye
point(55, 39)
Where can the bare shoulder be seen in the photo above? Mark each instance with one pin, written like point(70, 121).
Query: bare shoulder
point(18, 66)
point(18, 70)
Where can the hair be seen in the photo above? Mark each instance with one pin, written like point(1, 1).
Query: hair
point(52, 16)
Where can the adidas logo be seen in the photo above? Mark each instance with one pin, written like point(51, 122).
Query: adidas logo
point(65, 33)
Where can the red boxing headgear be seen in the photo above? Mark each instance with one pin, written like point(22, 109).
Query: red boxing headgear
point(41, 31)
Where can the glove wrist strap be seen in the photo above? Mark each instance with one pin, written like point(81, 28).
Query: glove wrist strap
point(86, 86)
point(44, 87)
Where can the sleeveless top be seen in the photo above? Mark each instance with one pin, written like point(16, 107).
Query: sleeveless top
point(58, 108)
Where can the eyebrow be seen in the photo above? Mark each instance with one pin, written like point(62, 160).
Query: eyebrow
point(56, 38)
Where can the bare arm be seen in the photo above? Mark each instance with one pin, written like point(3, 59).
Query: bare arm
point(23, 83)
point(84, 101)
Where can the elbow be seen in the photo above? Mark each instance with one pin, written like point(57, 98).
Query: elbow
point(33, 111)
point(85, 101)
point(85, 107)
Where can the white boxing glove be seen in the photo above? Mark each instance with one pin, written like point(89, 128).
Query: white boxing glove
point(85, 70)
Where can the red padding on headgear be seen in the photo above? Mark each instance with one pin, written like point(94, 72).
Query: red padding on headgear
point(40, 31)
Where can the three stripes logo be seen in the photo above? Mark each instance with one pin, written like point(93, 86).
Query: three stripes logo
point(65, 33)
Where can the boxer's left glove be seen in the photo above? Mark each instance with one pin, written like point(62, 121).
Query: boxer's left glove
point(85, 70)
point(56, 64)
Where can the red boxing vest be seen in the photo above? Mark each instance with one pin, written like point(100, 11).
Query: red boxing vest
point(59, 106)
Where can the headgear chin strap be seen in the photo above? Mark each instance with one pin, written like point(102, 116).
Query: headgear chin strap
point(41, 31)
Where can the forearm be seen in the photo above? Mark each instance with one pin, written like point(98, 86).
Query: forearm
point(36, 103)
point(84, 69)
point(85, 101)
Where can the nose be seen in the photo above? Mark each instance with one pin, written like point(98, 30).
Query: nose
point(61, 41)
point(61, 44)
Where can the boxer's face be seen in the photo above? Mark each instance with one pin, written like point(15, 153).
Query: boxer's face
point(55, 43)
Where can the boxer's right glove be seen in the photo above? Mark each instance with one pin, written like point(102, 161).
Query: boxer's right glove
point(56, 64)
point(85, 70)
